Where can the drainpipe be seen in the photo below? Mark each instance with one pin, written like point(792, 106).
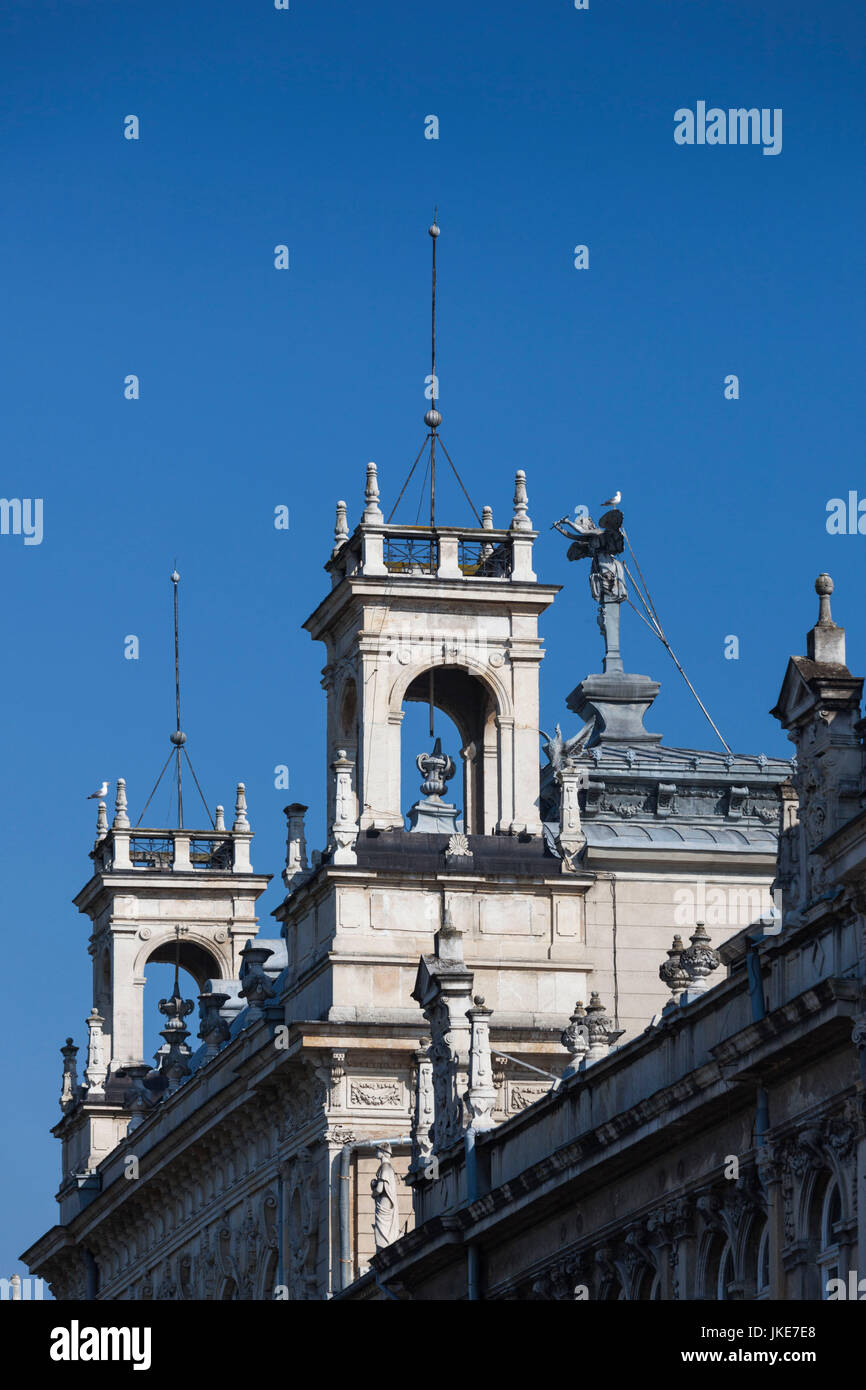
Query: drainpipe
point(759, 1011)
point(471, 1195)
point(344, 1273)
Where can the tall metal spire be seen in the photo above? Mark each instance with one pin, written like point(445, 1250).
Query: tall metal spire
point(433, 419)
point(178, 737)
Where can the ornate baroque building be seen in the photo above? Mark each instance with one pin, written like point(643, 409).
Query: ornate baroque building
point(244, 1169)
point(721, 1152)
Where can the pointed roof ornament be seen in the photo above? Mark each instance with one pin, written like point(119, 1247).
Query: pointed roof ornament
point(521, 520)
point(220, 822)
point(341, 528)
point(372, 510)
point(121, 816)
point(101, 822)
point(240, 821)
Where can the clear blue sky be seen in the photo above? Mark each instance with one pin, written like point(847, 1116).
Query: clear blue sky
point(261, 387)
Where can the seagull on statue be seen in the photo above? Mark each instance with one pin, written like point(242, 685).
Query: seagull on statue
point(97, 796)
point(613, 501)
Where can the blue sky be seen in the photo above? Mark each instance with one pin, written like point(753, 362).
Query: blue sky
point(261, 387)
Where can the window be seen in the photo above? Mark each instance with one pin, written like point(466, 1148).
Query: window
point(829, 1254)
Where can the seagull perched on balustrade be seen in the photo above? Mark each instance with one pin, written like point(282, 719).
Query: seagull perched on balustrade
point(97, 796)
point(613, 501)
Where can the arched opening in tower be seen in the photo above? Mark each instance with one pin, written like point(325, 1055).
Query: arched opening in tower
point(195, 965)
point(465, 721)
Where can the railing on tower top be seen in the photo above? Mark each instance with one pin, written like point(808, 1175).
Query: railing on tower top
point(205, 851)
point(449, 552)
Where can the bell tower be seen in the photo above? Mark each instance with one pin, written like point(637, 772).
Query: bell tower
point(167, 895)
point(443, 615)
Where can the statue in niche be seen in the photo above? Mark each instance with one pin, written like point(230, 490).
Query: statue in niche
point(386, 1222)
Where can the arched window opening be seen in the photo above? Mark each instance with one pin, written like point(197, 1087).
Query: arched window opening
point(466, 707)
point(717, 1268)
point(763, 1271)
point(416, 740)
point(726, 1273)
point(159, 984)
point(829, 1255)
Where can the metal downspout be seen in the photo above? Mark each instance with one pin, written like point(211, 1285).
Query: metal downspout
point(471, 1196)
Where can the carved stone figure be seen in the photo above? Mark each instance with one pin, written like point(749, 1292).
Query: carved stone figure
point(386, 1222)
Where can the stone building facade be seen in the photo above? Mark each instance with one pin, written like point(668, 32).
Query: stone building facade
point(720, 1154)
point(243, 1170)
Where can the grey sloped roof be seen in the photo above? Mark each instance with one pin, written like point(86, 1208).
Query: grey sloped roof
point(649, 757)
point(678, 835)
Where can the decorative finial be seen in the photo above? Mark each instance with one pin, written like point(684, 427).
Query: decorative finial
point(436, 768)
point(220, 822)
point(175, 577)
point(575, 1038)
point(487, 518)
point(101, 822)
point(826, 641)
point(672, 972)
point(700, 959)
point(240, 821)
point(433, 230)
point(174, 1061)
point(521, 520)
point(121, 816)
point(69, 1089)
point(372, 511)
point(600, 1030)
point(341, 528)
point(824, 588)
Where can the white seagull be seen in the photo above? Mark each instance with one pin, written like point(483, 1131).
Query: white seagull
point(613, 501)
point(97, 796)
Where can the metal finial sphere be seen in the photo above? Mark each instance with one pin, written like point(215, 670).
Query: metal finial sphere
point(175, 577)
point(433, 231)
point(433, 419)
point(824, 585)
point(178, 739)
